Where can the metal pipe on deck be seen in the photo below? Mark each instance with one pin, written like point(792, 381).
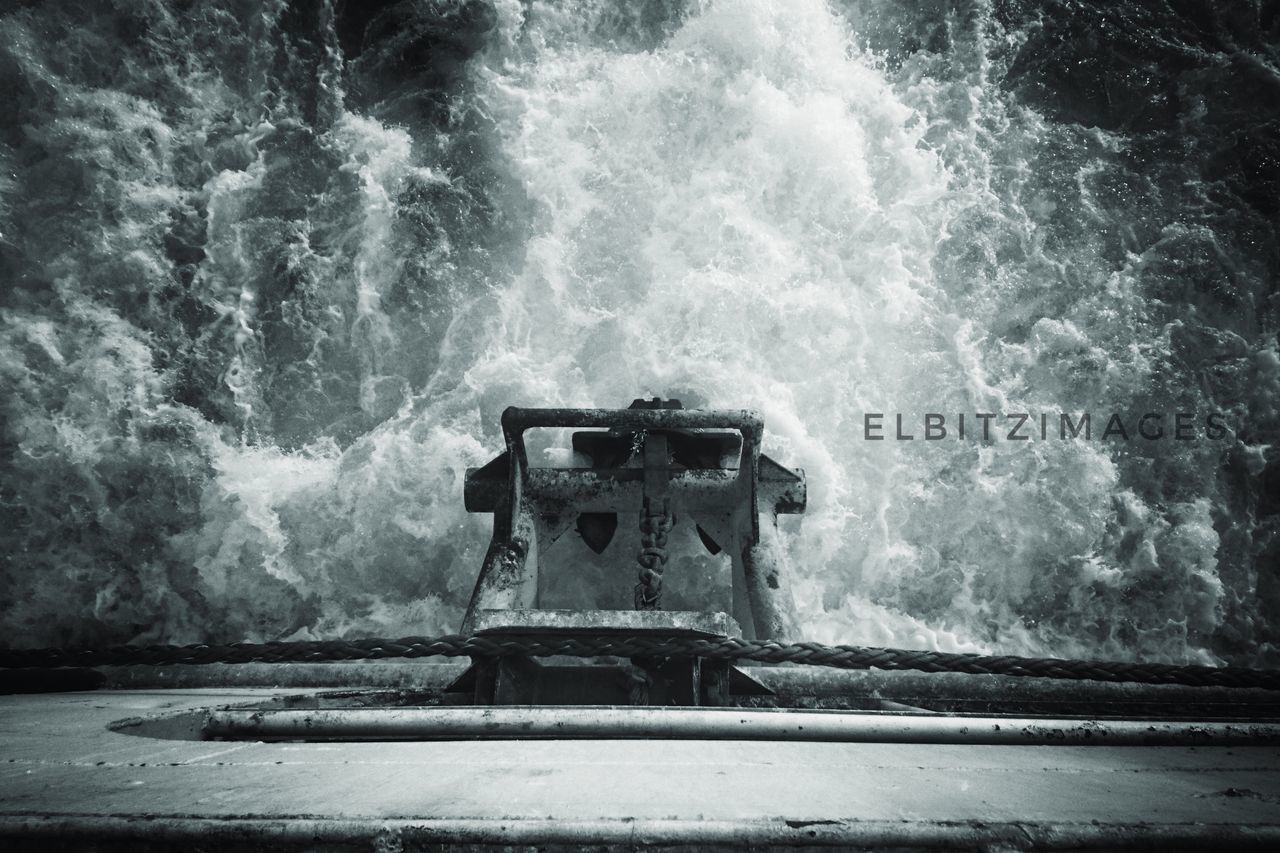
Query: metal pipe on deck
point(674, 723)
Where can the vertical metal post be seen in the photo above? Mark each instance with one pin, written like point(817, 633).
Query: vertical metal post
point(772, 605)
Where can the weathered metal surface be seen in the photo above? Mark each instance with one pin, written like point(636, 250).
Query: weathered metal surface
point(516, 420)
point(65, 778)
point(794, 686)
point(670, 681)
point(722, 723)
point(666, 622)
point(768, 587)
point(611, 488)
point(656, 521)
point(99, 833)
point(660, 462)
point(619, 489)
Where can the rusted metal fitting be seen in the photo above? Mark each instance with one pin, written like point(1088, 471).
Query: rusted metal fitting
point(657, 462)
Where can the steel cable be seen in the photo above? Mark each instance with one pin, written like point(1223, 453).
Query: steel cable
point(733, 649)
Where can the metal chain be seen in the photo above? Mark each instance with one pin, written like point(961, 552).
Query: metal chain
point(728, 648)
point(654, 527)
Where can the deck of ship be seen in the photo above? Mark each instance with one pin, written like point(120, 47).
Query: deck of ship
point(66, 775)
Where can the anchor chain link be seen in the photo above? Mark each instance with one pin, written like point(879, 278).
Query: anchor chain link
point(656, 522)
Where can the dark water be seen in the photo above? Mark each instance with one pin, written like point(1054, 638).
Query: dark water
point(272, 270)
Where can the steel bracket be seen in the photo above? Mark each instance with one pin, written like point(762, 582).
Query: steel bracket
point(706, 464)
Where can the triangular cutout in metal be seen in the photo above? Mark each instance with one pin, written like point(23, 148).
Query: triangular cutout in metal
point(710, 543)
point(597, 528)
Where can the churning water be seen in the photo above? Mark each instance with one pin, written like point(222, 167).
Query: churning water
point(272, 270)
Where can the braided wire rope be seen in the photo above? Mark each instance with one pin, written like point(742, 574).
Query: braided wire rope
point(730, 648)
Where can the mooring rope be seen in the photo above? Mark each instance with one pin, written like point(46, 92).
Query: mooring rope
point(733, 649)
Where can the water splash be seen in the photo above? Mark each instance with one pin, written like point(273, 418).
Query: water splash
point(266, 304)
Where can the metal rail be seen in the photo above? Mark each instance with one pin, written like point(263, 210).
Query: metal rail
point(40, 832)
point(607, 722)
point(516, 420)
